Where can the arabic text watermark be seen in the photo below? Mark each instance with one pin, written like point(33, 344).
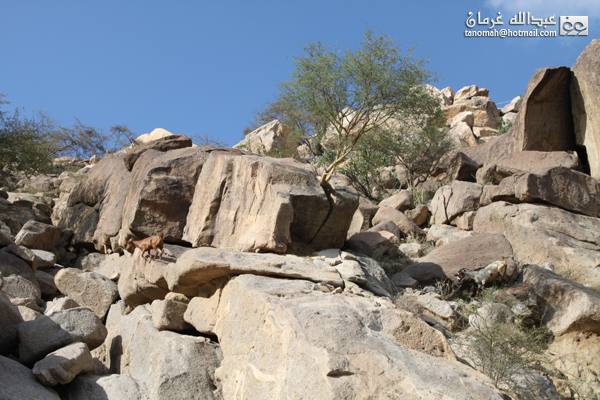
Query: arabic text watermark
point(533, 27)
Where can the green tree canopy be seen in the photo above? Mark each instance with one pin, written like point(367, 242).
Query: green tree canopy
point(334, 98)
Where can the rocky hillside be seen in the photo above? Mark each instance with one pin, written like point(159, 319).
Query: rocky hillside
point(272, 286)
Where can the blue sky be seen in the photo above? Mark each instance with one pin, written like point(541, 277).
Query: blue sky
point(203, 67)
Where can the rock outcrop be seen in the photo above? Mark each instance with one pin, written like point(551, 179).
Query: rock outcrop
point(585, 91)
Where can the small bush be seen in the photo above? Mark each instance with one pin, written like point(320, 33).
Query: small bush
point(509, 356)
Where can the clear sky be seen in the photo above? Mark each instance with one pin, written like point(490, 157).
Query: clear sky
point(203, 67)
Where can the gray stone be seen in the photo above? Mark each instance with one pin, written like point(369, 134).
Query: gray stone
point(24, 254)
point(109, 387)
point(174, 366)
point(19, 383)
point(566, 305)
point(350, 346)
point(444, 262)
point(45, 258)
point(46, 282)
point(63, 365)
point(490, 314)
point(60, 304)
point(17, 287)
point(401, 201)
point(10, 318)
point(168, 315)
point(37, 235)
point(88, 289)
point(43, 335)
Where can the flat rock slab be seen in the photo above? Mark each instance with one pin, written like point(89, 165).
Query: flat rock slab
point(525, 161)
point(282, 340)
point(566, 305)
point(202, 265)
point(470, 253)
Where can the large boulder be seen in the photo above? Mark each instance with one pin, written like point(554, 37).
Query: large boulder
point(37, 235)
point(404, 224)
point(203, 265)
point(278, 335)
point(161, 186)
point(566, 305)
point(559, 186)
point(543, 123)
point(540, 234)
point(451, 201)
point(585, 92)
point(88, 289)
point(18, 383)
point(63, 365)
point(470, 253)
point(166, 365)
point(15, 217)
point(252, 203)
point(268, 138)
point(523, 162)
point(45, 334)
point(211, 196)
point(104, 188)
point(142, 282)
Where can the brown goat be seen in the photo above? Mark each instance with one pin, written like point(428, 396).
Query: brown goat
point(145, 245)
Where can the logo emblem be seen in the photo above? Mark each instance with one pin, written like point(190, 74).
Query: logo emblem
point(573, 26)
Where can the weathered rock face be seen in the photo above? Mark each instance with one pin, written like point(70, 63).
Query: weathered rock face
point(452, 201)
point(483, 108)
point(470, 253)
point(199, 266)
point(239, 201)
point(269, 137)
point(462, 168)
point(160, 374)
point(526, 161)
point(562, 187)
point(543, 123)
point(276, 338)
point(170, 142)
point(105, 187)
point(142, 281)
point(541, 234)
point(249, 203)
point(585, 92)
point(566, 306)
point(161, 186)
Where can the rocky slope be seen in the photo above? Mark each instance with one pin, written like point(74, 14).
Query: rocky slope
point(273, 287)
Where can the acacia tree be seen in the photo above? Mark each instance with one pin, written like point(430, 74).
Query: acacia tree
point(335, 98)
